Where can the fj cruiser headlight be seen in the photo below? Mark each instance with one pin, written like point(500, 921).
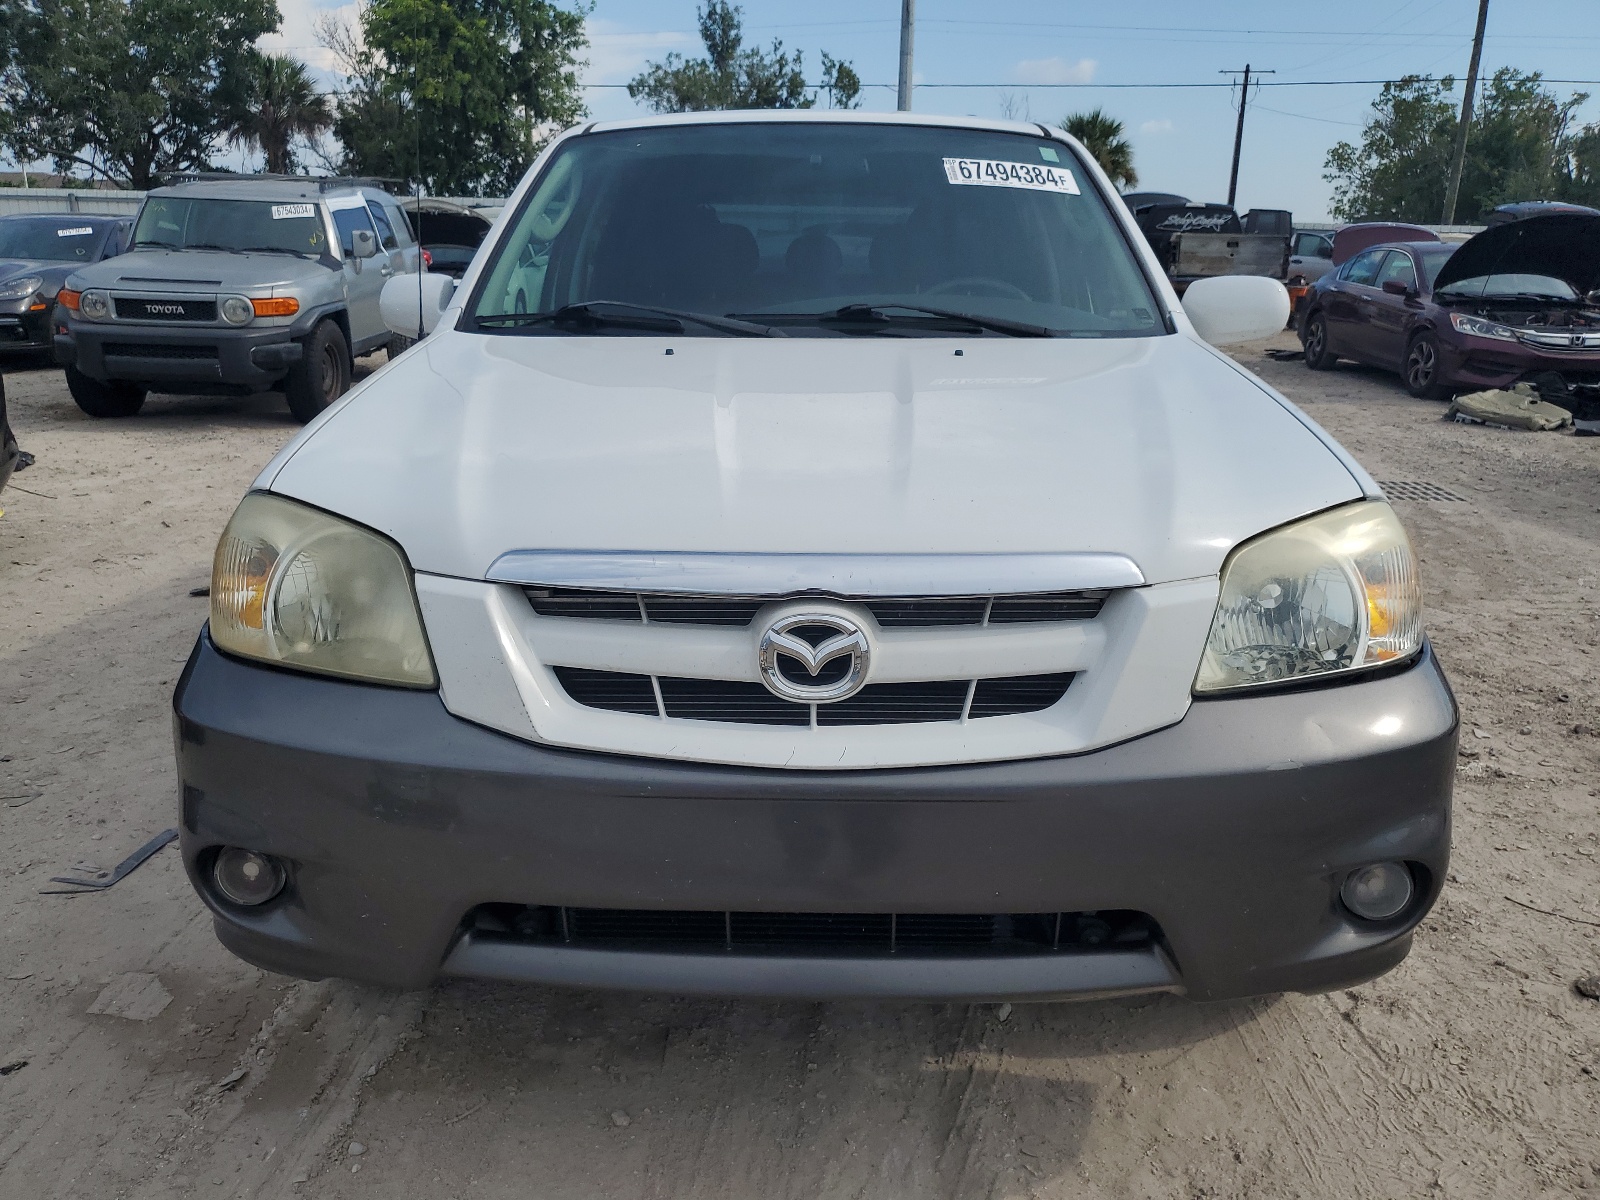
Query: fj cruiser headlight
point(297, 587)
point(236, 310)
point(16, 289)
point(1334, 593)
point(1480, 327)
point(95, 305)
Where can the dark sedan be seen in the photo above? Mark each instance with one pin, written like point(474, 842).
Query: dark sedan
point(1518, 301)
point(37, 253)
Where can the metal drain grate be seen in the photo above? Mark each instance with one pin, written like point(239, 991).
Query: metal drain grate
point(1417, 489)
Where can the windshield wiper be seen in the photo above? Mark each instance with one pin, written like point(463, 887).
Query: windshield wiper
point(155, 242)
point(269, 250)
point(621, 314)
point(874, 314)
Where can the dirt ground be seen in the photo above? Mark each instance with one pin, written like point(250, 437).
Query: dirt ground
point(1473, 1070)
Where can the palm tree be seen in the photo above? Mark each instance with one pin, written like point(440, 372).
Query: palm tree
point(1101, 136)
point(283, 105)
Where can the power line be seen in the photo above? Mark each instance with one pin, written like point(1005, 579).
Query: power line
point(1015, 85)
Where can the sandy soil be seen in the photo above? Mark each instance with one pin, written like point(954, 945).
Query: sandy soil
point(1473, 1070)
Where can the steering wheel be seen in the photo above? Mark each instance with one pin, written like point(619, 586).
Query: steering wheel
point(977, 285)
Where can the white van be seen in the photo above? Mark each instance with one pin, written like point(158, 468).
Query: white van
point(816, 555)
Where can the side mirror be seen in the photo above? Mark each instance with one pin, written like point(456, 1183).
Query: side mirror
point(405, 298)
point(1398, 287)
point(363, 243)
point(1236, 308)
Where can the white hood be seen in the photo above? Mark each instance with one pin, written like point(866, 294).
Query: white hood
point(1154, 448)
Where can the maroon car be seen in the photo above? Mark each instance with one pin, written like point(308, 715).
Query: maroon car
point(1518, 301)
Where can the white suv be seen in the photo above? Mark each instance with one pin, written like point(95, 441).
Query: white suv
point(816, 555)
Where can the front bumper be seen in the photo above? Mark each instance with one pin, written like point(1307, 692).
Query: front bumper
point(1233, 829)
point(1475, 364)
point(24, 327)
point(180, 358)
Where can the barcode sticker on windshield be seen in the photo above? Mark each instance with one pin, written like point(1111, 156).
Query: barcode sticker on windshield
point(285, 212)
point(989, 172)
point(78, 232)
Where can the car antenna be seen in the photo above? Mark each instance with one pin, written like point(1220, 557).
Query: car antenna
point(417, 189)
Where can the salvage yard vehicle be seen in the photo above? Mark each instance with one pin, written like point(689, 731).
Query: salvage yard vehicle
point(816, 554)
point(1201, 241)
point(236, 284)
point(37, 253)
point(449, 233)
point(10, 454)
point(1519, 301)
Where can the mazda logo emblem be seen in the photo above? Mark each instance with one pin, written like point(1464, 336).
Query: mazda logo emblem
point(814, 657)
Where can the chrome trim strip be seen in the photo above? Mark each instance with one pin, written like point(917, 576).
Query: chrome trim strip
point(845, 575)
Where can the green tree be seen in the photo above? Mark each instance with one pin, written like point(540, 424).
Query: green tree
point(730, 76)
point(1520, 147)
point(457, 94)
point(1101, 135)
point(283, 105)
point(128, 89)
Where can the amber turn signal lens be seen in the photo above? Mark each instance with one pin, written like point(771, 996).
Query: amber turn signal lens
point(69, 298)
point(276, 306)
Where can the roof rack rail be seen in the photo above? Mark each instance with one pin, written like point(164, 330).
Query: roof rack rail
point(323, 182)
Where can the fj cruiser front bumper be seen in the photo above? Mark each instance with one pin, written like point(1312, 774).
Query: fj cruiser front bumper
point(180, 359)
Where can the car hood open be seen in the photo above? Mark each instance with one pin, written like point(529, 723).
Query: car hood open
point(1563, 246)
point(1153, 448)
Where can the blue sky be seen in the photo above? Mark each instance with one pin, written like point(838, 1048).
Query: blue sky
point(1182, 138)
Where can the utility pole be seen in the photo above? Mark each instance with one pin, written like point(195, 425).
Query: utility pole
point(908, 18)
point(1238, 132)
point(1458, 160)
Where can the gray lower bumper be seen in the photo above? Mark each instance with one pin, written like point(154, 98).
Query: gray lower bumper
point(1232, 829)
point(196, 358)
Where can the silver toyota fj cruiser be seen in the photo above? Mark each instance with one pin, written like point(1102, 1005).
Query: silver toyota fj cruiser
point(233, 285)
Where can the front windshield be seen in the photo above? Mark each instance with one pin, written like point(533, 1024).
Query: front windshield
point(1543, 287)
point(192, 223)
point(54, 239)
point(786, 222)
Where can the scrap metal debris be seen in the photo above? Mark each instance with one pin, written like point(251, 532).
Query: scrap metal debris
point(1518, 408)
point(99, 881)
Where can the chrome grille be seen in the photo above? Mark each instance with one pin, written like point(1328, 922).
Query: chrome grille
point(753, 704)
point(853, 934)
point(902, 612)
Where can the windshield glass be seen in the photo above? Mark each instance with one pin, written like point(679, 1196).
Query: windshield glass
point(55, 239)
point(788, 220)
point(1541, 286)
point(195, 222)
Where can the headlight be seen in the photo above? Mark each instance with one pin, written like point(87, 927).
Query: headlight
point(95, 305)
point(297, 587)
point(1335, 593)
point(1479, 327)
point(16, 289)
point(236, 310)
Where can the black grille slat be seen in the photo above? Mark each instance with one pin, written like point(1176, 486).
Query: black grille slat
point(177, 350)
point(902, 612)
point(1019, 694)
point(752, 704)
point(855, 934)
point(898, 704)
point(702, 610)
point(926, 612)
point(729, 700)
point(613, 691)
point(135, 309)
point(570, 602)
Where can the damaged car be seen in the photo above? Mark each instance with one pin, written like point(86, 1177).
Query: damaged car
point(1517, 302)
point(37, 253)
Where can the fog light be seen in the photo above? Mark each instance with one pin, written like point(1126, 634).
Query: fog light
point(1378, 892)
point(245, 877)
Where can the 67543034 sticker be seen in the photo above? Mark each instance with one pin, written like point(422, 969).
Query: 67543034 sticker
point(990, 172)
point(287, 212)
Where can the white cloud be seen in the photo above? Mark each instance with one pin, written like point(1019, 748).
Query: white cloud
point(297, 36)
point(1157, 126)
point(1054, 70)
point(616, 54)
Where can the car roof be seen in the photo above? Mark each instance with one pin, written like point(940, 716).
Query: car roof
point(248, 187)
point(95, 219)
point(830, 116)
